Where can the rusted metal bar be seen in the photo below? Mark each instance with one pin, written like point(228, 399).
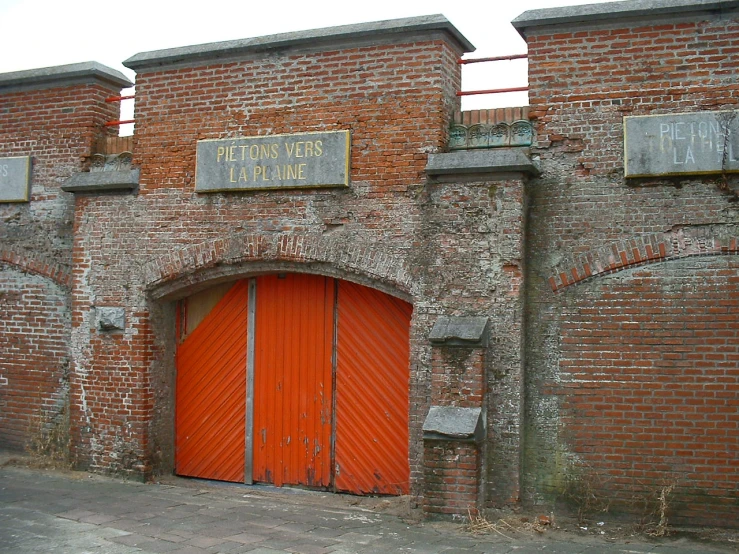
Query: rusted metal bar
point(492, 91)
point(119, 98)
point(119, 122)
point(495, 59)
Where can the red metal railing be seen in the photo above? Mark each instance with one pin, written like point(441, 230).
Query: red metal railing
point(493, 59)
point(119, 121)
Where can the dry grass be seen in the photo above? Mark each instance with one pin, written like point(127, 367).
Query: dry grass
point(660, 528)
point(507, 526)
point(48, 444)
point(583, 488)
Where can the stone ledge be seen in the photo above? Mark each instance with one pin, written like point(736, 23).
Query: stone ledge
point(498, 160)
point(468, 331)
point(643, 11)
point(63, 76)
point(450, 423)
point(345, 35)
point(102, 181)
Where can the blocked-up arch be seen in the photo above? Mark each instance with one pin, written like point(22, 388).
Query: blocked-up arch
point(647, 382)
point(681, 242)
point(40, 265)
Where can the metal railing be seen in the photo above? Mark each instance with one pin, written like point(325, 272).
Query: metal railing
point(493, 59)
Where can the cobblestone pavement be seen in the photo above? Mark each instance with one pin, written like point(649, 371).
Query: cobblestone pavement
point(76, 513)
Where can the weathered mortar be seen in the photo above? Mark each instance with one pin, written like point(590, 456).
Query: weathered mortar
point(589, 67)
point(53, 115)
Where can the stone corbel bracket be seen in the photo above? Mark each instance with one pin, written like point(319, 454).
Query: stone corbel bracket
point(110, 318)
point(102, 181)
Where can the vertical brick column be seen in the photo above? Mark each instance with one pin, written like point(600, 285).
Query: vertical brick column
point(453, 428)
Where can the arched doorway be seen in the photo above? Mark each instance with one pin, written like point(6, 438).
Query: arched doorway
point(294, 379)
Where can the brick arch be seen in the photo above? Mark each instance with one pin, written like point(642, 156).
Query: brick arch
point(681, 242)
point(39, 265)
point(370, 264)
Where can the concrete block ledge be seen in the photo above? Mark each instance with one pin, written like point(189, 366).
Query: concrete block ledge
point(642, 11)
point(460, 331)
point(102, 181)
point(494, 160)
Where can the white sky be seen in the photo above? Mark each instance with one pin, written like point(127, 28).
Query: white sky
point(43, 33)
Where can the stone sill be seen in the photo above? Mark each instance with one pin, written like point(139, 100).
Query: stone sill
point(499, 160)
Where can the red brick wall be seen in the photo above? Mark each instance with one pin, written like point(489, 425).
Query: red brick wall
point(34, 366)
point(582, 82)
point(57, 127)
point(396, 99)
point(614, 379)
point(458, 376)
point(452, 478)
point(387, 95)
point(649, 385)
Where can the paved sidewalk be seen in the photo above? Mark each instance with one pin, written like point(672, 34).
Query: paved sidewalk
point(75, 513)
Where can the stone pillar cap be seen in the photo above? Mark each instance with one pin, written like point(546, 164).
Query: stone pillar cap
point(453, 423)
point(460, 331)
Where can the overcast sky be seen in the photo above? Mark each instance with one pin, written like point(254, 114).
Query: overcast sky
point(43, 33)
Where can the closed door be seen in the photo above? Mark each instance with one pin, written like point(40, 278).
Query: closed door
point(304, 377)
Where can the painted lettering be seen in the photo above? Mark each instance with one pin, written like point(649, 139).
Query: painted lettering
point(689, 156)
point(243, 175)
point(263, 151)
point(665, 138)
point(304, 149)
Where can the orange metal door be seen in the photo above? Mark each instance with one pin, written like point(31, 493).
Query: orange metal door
point(293, 380)
point(211, 394)
point(372, 379)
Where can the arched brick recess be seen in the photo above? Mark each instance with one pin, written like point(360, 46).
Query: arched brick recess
point(193, 265)
point(647, 386)
point(34, 355)
point(39, 265)
point(678, 243)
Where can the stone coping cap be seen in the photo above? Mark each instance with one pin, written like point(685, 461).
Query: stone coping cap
point(570, 16)
point(313, 39)
point(491, 160)
point(452, 423)
point(62, 76)
point(460, 331)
